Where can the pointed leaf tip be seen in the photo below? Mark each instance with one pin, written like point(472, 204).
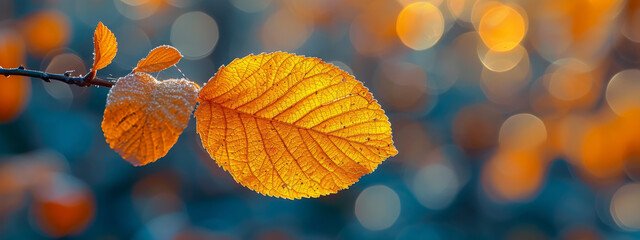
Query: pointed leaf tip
point(159, 59)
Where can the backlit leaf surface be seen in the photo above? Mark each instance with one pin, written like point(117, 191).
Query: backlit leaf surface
point(105, 47)
point(144, 117)
point(292, 126)
point(159, 59)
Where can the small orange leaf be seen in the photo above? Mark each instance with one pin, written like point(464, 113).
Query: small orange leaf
point(144, 117)
point(292, 126)
point(105, 47)
point(159, 59)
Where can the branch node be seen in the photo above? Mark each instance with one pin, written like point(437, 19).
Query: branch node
point(82, 81)
point(45, 77)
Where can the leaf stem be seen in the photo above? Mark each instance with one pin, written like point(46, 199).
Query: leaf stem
point(83, 81)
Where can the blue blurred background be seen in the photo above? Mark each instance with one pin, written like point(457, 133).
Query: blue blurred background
point(514, 119)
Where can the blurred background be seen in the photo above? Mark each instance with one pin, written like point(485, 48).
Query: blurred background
point(514, 119)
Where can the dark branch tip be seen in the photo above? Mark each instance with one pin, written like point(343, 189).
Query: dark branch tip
point(83, 81)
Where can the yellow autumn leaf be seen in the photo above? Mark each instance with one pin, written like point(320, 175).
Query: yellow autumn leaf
point(159, 59)
point(292, 126)
point(105, 47)
point(144, 117)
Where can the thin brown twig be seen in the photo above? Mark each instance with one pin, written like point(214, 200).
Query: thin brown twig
point(83, 81)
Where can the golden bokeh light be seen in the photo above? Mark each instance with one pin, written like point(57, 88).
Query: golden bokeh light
point(602, 152)
point(629, 129)
point(195, 34)
point(623, 91)
point(63, 205)
point(502, 28)
point(60, 64)
point(567, 134)
point(317, 12)
point(585, 96)
point(501, 61)
point(420, 25)
point(522, 131)
point(50, 23)
point(578, 29)
point(409, 2)
point(513, 175)
point(460, 9)
point(139, 9)
point(569, 79)
point(550, 33)
point(22, 173)
point(284, 31)
point(13, 188)
point(631, 25)
point(506, 87)
point(593, 16)
point(478, 10)
point(373, 30)
point(624, 207)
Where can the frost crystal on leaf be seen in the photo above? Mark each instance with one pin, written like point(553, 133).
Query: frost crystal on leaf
point(144, 117)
